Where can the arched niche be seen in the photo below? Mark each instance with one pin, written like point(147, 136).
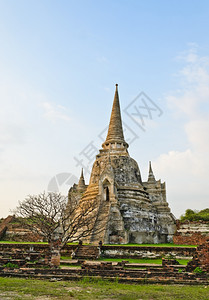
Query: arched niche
point(106, 190)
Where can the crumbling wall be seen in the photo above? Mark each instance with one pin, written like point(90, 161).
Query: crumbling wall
point(191, 233)
point(200, 258)
point(147, 252)
point(4, 225)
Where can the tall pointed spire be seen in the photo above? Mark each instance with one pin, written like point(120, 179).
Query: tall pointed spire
point(81, 183)
point(115, 130)
point(151, 176)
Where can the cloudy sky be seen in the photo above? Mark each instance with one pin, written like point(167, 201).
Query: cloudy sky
point(59, 62)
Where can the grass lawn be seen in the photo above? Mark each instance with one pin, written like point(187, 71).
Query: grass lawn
point(144, 260)
point(132, 260)
point(65, 258)
point(128, 245)
point(18, 289)
point(151, 245)
point(13, 242)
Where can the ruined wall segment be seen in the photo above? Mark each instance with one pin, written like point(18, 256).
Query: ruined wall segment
point(191, 233)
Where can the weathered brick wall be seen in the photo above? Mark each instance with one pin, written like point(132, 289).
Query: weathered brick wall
point(18, 233)
point(4, 225)
point(168, 275)
point(200, 258)
point(12, 230)
point(110, 251)
point(67, 250)
point(191, 233)
point(192, 238)
point(146, 252)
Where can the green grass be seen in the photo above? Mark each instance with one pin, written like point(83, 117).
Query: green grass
point(144, 260)
point(13, 242)
point(183, 261)
point(132, 260)
point(18, 289)
point(127, 245)
point(151, 245)
point(65, 258)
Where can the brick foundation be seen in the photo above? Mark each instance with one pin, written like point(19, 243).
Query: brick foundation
point(191, 233)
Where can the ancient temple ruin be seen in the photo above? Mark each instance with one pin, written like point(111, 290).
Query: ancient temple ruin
point(128, 209)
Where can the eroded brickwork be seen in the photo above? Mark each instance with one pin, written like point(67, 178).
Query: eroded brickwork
point(200, 258)
point(191, 233)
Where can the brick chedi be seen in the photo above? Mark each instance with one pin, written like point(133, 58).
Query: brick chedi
point(128, 210)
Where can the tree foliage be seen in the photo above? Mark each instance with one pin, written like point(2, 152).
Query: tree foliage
point(48, 215)
point(193, 215)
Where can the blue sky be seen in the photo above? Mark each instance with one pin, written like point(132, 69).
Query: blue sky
point(59, 62)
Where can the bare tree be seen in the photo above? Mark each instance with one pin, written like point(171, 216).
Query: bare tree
point(49, 215)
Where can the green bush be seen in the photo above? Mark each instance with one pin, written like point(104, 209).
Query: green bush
point(11, 265)
point(194, 215)
point(198, 270)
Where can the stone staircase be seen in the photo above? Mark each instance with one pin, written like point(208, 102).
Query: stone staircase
point(91, 193)
point(87, 252)
point(101, 222)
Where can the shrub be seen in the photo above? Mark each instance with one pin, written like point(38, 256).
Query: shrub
point(198, 270)
point(193, 215)
point(11, 265)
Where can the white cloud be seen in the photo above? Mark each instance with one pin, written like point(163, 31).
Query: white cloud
point(194, 77)
point(54, 112)
point(198, 135)
point(186, 171)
